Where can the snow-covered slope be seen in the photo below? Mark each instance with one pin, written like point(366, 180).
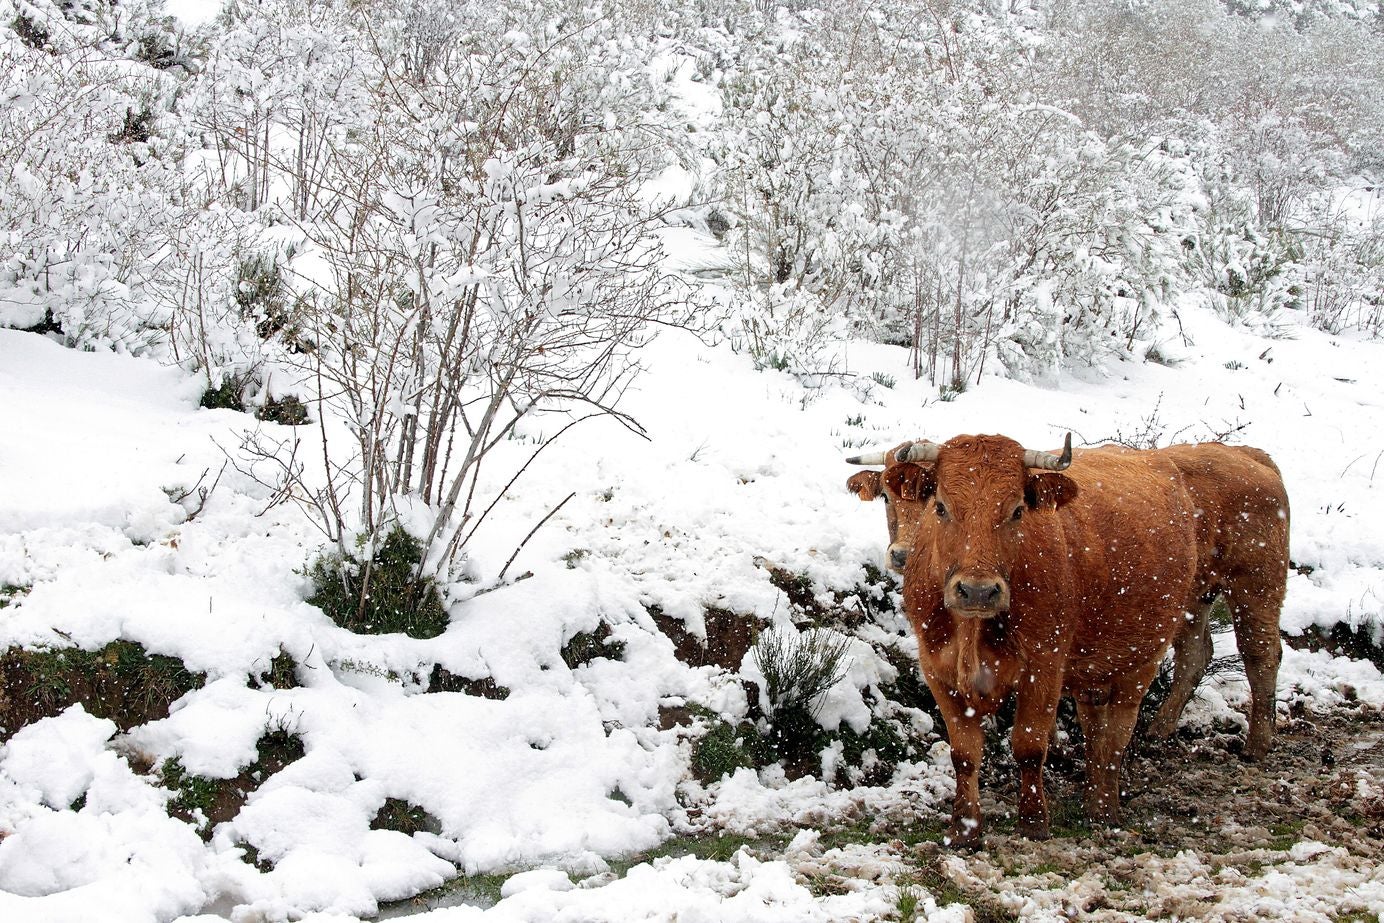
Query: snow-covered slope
point(571, 769)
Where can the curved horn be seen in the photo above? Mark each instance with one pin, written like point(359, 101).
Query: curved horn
point(874, 458)
point(922, 451)
point(1048, 461)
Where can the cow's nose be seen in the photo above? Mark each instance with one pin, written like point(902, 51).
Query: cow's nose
point(898, 557)
point(985, 593)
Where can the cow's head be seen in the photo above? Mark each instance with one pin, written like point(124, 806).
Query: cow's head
point(974, 494)
point(903, 516)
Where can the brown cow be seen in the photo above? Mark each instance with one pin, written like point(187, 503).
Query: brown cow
point(1242, 556)
point(1028, 583)
point(1242, 541)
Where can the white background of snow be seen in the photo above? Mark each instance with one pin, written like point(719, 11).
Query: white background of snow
point(739, 463)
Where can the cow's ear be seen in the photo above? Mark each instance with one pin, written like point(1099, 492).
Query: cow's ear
point(1049, 491)
point(864, 484)
point(910, 482)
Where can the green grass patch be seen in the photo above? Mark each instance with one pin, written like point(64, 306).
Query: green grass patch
point(1067, 818)
point(206, 802)
point(119, 681)
point(906, 906)
point(404, 817)
point(719, 848)
point(380, 595)
point(945, 892)
point(1284, 834)
point(280, 673)
point(726, 747)
point(473, 890)
point(194, 797)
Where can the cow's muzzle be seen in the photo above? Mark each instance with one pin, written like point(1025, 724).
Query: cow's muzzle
point(976, 596)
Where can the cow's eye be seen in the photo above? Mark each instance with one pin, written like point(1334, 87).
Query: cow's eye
point(1018, 514)
point(941, 510)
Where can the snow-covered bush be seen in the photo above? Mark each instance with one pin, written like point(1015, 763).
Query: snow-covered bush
point(474, 254)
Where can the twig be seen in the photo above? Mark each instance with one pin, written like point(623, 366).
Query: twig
point(550, 515)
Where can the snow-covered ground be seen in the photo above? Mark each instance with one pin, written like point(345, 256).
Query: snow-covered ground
point(571, 769)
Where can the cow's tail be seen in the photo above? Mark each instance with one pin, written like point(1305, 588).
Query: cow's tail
point(972, 672)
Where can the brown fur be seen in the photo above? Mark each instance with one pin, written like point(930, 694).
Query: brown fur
point(1242, 557)
point(1097, 577)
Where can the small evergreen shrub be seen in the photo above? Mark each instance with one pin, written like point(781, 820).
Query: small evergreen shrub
point(726, 747)
point(280, 673)
point(799, 671)
point(379, 595)
point(586, 646)
point(404, 817)
point(948, 393)
point(138, 127)
point(443, 680)
point(229, 395)
point(31, 32)
point(264, 298)
point(286, 410)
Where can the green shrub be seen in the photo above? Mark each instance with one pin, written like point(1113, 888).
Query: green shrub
point(799, 671)
point(280, 673)
point(586, 646)
point(404, 817)
point(287, 410)
point(381, 594)
point(726, 747)
point(229, 395)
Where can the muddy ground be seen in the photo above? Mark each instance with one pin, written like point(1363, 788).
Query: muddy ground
point(1206, 837)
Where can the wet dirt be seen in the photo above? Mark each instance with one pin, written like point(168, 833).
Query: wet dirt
point(1205, 836)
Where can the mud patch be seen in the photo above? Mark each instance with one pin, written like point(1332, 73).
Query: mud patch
point(1206, 837)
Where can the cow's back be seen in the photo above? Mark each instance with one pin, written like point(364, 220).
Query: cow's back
point(1132, 547)
point(1243, 516)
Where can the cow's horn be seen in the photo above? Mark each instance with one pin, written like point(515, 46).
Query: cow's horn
point(874, 458)
point(1049, 461)
point(923, 451)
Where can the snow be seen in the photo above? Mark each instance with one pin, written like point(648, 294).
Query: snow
point(568, 771)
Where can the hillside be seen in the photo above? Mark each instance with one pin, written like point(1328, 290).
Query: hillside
point(647, 457)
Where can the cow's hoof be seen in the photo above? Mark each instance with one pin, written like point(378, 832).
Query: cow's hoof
point(1256, 748)
point(1033, 829)
point(963, 835)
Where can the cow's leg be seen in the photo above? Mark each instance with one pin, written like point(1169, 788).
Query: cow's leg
point(967, 744)
point(1035, 716)
point(1107, 722)
point(1255, 617)
point(1191, 656)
